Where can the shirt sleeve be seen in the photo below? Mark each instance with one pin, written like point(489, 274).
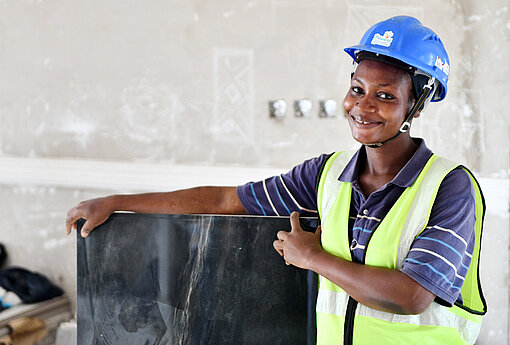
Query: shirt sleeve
point(281, 195)
point(440, 256)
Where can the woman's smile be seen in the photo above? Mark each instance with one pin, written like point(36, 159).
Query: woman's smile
point(360, 123)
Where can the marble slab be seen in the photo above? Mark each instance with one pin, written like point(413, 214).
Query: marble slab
point(191, 279)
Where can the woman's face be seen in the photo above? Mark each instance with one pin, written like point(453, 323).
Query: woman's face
point(377, 101)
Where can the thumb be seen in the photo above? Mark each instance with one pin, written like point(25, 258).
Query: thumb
point(294, 221)
point(86, 228)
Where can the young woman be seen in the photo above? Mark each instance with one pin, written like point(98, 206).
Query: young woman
point(398, 247)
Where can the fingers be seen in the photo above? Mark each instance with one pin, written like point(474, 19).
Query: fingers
point(282, 235)
point(69, 225)
point(71, 219)
point(95, 211)
point(278, 245)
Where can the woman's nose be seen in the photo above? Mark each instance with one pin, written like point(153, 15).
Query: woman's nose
point(365, 103)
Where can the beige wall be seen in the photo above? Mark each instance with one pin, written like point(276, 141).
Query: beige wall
point(136, 86)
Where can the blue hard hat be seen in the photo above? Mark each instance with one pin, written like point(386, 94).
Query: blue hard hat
point(406, 39)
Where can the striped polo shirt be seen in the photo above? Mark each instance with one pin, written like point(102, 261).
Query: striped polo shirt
point(439, 257)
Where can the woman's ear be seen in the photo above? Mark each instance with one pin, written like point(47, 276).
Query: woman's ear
point(417, 115)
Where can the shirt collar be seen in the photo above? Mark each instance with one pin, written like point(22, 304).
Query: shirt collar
point(405, 176)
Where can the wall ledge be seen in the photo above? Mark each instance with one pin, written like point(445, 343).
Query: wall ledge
point(123, 176)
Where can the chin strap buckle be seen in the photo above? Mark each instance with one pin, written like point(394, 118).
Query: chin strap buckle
point(430, 83)
point(405, 127)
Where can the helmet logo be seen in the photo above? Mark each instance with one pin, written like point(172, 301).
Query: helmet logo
point(383, 40)
point(443, 66)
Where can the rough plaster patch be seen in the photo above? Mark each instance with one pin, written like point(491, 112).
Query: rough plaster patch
point(45, 215)
point(496, 19)
point(457, 126)
point(55, 243)
point(361, 17)
point(151, 114)
point(475, 18)
point(79, 128)
point(31, 190)
point(290, 141)
point(497, 198)
point(228, 14)
point(233, 95)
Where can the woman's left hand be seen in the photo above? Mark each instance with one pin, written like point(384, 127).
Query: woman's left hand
point(298, 247)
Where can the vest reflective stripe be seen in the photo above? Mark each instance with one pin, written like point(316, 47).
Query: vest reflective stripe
point(329, 188)
point(388, 247)
point(335, 303)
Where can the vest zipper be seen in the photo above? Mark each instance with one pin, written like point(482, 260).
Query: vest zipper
point(350, 312)
point(352, 304)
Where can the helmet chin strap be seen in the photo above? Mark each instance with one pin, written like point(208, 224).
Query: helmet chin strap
point(425, 92)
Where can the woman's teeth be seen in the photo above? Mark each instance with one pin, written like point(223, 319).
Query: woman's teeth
point(362, 122)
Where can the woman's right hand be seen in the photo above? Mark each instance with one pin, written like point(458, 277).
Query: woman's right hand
point(209, 200)
point(94, 211)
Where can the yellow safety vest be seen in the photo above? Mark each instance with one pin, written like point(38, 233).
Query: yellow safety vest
point(388, 247)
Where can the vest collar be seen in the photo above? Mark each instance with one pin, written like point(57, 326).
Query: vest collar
point(406, 175)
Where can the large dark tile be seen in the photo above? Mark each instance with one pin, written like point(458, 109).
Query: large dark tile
point(191, 279)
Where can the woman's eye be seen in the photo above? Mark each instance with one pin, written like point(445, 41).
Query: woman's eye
point(356, 89)
point(385, 96)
